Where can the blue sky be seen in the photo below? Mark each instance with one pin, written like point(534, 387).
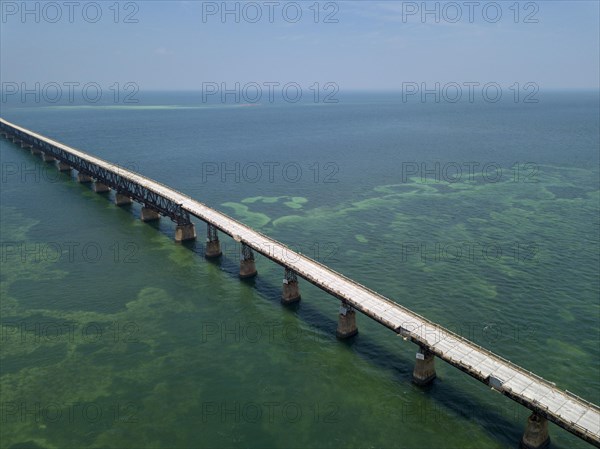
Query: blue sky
point(373, 45)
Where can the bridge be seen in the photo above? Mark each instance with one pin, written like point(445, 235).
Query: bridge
point(546, 401)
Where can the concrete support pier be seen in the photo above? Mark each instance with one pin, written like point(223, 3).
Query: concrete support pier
point(47, 157)
point(35, 151)
point(291, 291)
point(346, 322)
point(213, 246)
point(247, 265)
point(185, 232)
point(100, 188)
point(536, 433)
point(122, 200)
point(424, 371)
point(26, 145)
point(62, 166)
point(149, 214)
point(83, 178)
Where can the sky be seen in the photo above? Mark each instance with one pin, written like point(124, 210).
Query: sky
point(358, 45)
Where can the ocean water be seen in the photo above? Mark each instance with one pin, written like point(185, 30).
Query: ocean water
point(483, 217)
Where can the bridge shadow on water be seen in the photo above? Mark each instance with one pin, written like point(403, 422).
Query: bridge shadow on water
point(448, 398)
point(503, 424)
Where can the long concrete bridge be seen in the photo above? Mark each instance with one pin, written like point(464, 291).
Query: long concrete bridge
point(546, 401)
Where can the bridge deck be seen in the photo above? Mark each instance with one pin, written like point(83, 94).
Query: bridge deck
point(565, 409)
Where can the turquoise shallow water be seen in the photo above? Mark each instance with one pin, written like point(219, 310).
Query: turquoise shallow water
point(115, 336)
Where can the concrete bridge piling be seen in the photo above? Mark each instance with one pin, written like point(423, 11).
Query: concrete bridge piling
point(185, 232)
point(291, 291)
point(424, 371)
point(61, 166)
point(247, 264)
point(122, 200)
point(536, 433)
point(213, 246)
point(100, 187)
point(48, 157)
point(83, 178)
point(149, 214)
point(346, 322)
